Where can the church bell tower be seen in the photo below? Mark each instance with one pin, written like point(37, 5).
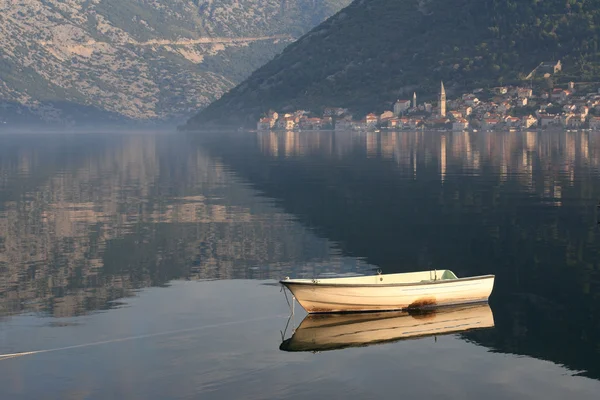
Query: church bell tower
point(442, 101)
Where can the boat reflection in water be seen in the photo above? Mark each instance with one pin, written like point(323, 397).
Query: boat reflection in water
point(321, 332)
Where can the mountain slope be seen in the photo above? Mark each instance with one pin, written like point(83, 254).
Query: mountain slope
point(374, 51)
point(141, 59)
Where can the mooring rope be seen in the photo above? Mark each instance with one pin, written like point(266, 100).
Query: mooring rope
point(146, 336)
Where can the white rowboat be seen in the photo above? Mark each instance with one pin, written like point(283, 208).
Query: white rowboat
point(414, 290)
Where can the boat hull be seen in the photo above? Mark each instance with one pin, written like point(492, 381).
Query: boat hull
point(336, 298)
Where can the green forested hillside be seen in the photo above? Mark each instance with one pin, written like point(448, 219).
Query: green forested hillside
point(374, 51)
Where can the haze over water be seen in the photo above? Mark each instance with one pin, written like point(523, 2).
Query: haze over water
point(159, 253)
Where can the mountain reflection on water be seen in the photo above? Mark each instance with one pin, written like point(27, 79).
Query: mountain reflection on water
point(87, 220)
point(518, 205)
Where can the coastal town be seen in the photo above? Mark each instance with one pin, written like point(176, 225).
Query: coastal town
point(498, 108)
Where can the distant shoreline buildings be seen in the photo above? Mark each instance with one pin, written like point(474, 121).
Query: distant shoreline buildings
point(499, 108)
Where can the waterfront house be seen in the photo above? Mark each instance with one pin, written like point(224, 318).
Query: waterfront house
point(460, 124)
point(529, 121)
point(576, 121)
point(385, 116)
point(512, 122)
point(316, 123)
point(595, 123)
point(441, 122)
point(404, 123)
point(286, 123)
point(401, 106)
point(393, 123)
point(547, 120)
point(414, 123)
point(307, 123)
point(264, 124)
point(490, 124)
point(371, 121)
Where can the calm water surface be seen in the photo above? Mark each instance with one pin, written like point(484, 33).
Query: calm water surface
point(144, 266)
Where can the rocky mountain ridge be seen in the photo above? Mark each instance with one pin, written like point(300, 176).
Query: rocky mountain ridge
point(139, 59)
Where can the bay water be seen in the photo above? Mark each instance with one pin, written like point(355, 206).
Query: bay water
point(144, 265)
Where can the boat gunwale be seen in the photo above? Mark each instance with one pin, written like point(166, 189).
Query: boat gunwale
point(373, 285)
